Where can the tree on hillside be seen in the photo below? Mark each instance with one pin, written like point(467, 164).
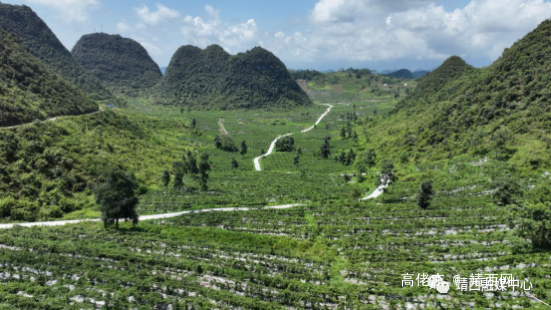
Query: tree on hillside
point(285, 144)
point(500, 139)
point(243, 148)
point(193, 123)
point(234, 163)
point(343, 132)
point(424, 196)
point(370, 158)
point(507, 191)
point(165, 178)
point(190, 163)
point(204, 168)
point(178, 169)
point(296, 160)
point(533, 222)
point(117, 197)
point(325, 150)
point(350, 157)
point(387, 172)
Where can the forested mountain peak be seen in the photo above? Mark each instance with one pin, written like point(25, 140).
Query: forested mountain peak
point(121, 63)
point(212, 78)
point(32, 31)
point(451, 69)
point(29, 90)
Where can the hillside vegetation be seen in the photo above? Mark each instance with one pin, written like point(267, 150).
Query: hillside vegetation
point(24, 23)
point(212, 78)
point(29, 90)
point(503, 108)
point(121, 63)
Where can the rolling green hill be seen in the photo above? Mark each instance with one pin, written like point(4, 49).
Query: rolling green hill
point(121, 63)
point(26, 25)
point(457, 109)
point(212, 78)
point(29, 90)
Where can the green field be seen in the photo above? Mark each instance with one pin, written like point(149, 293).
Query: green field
point(332, 253)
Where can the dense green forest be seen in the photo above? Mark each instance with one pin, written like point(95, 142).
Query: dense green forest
point(212, 78)
point(121, 63)
point(30, 91)
point(33, 33)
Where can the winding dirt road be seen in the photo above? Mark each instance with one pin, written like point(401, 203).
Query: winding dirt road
point(271, 149)
point(52, 119)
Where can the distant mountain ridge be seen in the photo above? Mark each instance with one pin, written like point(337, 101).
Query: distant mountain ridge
point(401, 74)
point(212, 78)
point(32, 31)
point(121, 63)
point(29, 90)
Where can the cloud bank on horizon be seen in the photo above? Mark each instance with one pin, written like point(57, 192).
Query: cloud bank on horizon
point(332, 31)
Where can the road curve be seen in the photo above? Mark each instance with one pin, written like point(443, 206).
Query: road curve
point(271, 149)
point(319, 119)
point(377, 192)
point(150, 217)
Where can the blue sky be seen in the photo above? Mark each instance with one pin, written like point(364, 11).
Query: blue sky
point(317, 34)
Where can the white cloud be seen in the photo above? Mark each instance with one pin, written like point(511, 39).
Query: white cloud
point(152, 49)
point(279, 35)
point(70, 10)
point(233, 38)
point(155, 17)
point(123, 27)
point(375, 30)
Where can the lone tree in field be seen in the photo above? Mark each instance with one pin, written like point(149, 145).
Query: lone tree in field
point(243, 149)
point(165, 178)
point(296, 160)
point(193, 123)
point(117, 197)
point(424, 196)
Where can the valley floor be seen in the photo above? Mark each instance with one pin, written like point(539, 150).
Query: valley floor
point(306, 241)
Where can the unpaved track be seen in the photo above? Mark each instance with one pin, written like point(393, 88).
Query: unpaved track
point(319, 119)
point(222, 128)
point(52, 119)
point(271, 149)
point(150, 217)
point(377, 192)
